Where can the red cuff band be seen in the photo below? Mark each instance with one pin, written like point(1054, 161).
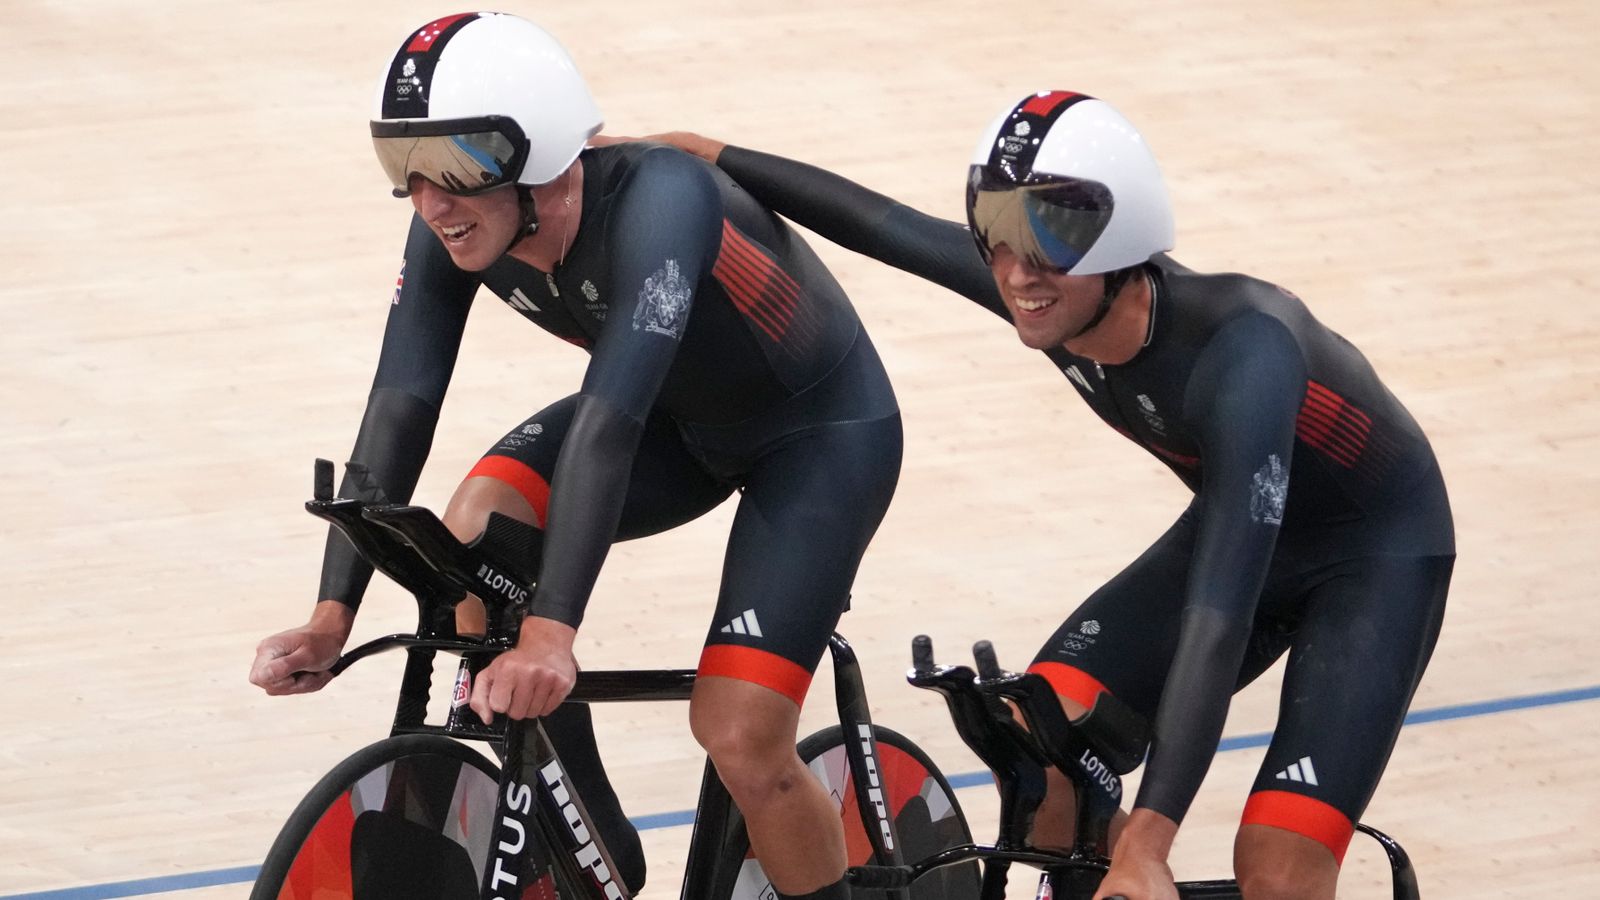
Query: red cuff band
point(530, 484)
point(1302, 815)
point(757, 667)
point(1074, 684)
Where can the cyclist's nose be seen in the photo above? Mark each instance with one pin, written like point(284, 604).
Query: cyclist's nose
point(428, 199)
point(1020, 272)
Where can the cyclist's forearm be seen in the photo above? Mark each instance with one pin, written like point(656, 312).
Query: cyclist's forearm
point(865, 221)
point(333, 617)
point(1193, 710)
point(546, 633)
point(831, 205)
point(391, 447)
point(587, 491)
point(1147, 833)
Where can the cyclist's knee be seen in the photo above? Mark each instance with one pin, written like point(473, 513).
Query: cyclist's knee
point(732, 742)
point(1276, 882)
point(467, 518)
point(475, 498)
point(753, 770)
point(749, 733)
point(1275, 864)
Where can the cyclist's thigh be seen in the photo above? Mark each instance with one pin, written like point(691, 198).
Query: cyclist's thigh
point(809, 508)
point(667, 486)
point(1123, 638)
point(1367, 629)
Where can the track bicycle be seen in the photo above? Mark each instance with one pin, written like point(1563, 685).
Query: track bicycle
point(423, 815)
point(1093, 751)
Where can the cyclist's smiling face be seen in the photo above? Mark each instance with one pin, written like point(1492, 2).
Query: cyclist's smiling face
point(475, 230)
point(1047, 305)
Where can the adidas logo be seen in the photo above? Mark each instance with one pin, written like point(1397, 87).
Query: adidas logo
point(745, 624)
point(1300, 771)
point(519, 300)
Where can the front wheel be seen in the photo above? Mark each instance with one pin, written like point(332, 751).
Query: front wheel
point(409, 816)
point(927, 818)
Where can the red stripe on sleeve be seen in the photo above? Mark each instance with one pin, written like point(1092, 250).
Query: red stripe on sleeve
point(1331, 425)
point(766, 295)
point(762, 291)
point(740, 291)
point(776, 283)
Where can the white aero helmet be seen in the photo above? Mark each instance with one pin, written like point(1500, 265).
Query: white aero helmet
point(479, 100)
point(1065, 181)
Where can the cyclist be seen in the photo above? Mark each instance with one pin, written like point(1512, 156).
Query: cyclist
point(1319, 524)
point(724, 357)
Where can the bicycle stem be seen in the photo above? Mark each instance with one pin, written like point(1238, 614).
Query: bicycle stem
point(1097, 788)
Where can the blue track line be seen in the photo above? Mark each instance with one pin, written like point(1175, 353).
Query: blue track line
point(163, 885)
point(245, 874)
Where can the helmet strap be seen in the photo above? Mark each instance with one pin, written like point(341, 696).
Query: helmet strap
point(530, 213)
point(529, 218)
point(1099, 314)
point(1114, 283)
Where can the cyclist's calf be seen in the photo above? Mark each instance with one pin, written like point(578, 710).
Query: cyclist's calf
point(492, 512)
point(749, 733)
point(1055, 824)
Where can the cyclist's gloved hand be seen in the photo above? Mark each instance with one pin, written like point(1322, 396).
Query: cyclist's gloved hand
point(297, 661)
point(532, 678)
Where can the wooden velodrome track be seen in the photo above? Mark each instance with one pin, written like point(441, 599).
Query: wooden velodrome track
point(199, 252)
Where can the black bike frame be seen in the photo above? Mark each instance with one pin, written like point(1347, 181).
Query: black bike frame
point(1092, 752)
point(537, 807)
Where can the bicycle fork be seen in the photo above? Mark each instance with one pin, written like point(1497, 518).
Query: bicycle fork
point(861, 751)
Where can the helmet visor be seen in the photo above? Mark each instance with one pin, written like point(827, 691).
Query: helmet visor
point(1051, 222)
point(462, 156)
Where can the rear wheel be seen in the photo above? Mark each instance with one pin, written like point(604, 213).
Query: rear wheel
point(410, 816)
point(926, 818)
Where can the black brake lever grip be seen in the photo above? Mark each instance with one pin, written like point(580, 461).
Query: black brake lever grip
point(988, 665)
point(322, 479)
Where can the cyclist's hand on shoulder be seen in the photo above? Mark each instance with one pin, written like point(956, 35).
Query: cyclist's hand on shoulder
point(699, 145)
point(532, 678)
point(297, 661)
point(1139, 869)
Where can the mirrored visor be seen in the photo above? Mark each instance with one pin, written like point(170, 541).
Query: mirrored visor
point(1052, 223)
point(462, 156)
